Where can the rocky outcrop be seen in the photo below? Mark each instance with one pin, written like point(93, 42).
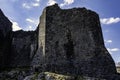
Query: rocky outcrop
point(5, 40)
point(70, 42)
point(26, 75)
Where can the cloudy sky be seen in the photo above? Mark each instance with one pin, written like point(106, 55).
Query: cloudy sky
point(25, 15)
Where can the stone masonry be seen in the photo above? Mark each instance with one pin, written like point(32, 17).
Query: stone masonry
point(71, 42)
point(66, 41)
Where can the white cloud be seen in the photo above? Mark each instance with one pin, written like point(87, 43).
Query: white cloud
point(113, 50)
point(30, 27)
point(29, 5)
point(110, 20)
point(26, 5)
point(108, 41)
point(51, 2)
point(67, 2)
point(117, 64)
point(37, 0)
point(31, 23)
point(15, 26)
point(35, 4)
point(30, 20)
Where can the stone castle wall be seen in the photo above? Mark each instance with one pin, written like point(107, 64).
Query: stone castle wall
point(74, 43)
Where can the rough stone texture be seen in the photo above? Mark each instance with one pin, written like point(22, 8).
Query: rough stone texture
point(24, 47)
point(67, 41)
point(15, 74)
point(23, 75)
point(38, 59)
point(5, 40)
point(71, 42)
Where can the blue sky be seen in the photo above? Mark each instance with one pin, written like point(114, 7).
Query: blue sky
point(25, 15)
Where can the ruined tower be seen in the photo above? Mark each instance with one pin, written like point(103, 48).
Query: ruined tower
point(71, 42)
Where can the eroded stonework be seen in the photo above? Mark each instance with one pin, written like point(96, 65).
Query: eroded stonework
point(23, 48)
point(73, 42)
point(66, 41)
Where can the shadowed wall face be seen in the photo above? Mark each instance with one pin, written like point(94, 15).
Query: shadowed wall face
point(5, 40)
point(74, 43)
point(24, 46)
